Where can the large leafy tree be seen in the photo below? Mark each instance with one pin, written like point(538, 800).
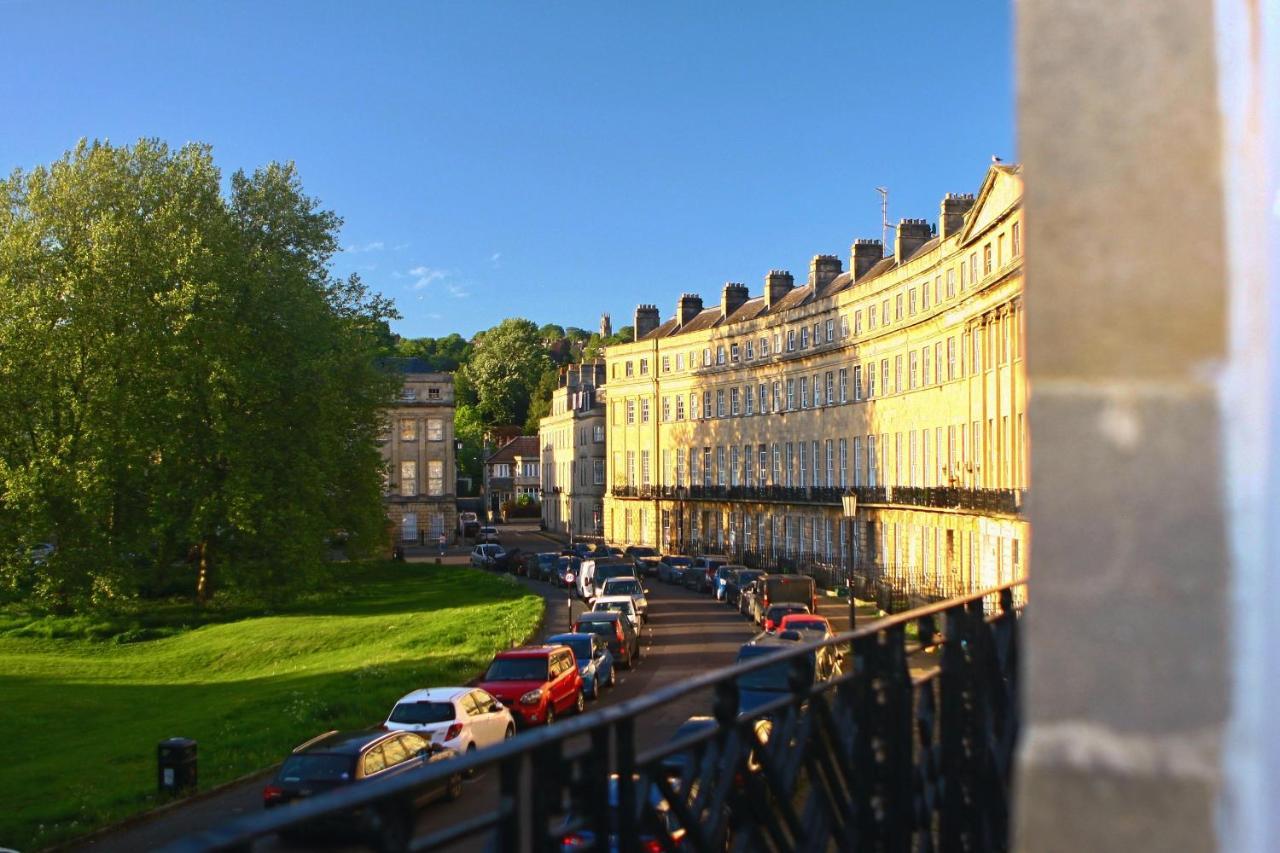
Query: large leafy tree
point(180, 376)
point(507, 362)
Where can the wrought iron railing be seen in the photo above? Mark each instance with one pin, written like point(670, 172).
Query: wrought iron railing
point(909, 745)
point(1005, 501)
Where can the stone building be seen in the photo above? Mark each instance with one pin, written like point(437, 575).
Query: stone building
point(739, 426)
point(418, 450)
point(572, 439)
point(510, 472)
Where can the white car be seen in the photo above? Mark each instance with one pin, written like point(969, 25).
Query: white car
point(631, 587)
point(461, 718)
point(484, 556)
point(623, 604)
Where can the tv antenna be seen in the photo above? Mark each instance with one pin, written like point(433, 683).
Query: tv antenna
point(884, 216)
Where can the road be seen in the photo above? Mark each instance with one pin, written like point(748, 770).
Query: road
point(687, 633)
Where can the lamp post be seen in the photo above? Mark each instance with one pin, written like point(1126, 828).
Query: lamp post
point(849, 505)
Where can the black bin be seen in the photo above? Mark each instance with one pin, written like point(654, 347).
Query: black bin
point(176, 765)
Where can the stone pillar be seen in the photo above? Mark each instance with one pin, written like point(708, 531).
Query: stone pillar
point(1129, 663)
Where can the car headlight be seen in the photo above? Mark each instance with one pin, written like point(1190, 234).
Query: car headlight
point(533, 697)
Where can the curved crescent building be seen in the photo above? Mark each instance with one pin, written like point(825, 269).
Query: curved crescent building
point(748, 427)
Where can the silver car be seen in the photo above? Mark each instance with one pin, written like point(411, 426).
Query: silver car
point(484, 556)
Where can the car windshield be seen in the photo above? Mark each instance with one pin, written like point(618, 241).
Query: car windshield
point(622, 587)
point(773, 678)
point(612, 606)
point(517, 669)
point(581, 647)
point(612, 570)
point(604, 629)
point(807, 624)
point(422, 712)
point(546, 559)
point(643, 552)
point(678, 561)
point(316, 767)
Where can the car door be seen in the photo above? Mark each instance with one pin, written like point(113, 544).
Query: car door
point(489, 725)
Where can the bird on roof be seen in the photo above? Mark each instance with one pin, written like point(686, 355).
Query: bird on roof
point(995, 158)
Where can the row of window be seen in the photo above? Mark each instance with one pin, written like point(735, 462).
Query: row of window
point(409, 478)
point(589, 472)
point(528, 470)
point(877, 313)
point(993, 341)
point(409, 429)
point(981, 454)
point(409, 395)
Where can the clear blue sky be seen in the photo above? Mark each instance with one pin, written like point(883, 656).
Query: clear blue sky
point(546, 160)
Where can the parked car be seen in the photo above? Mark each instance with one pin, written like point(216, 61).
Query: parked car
point(645, 559)
point(486, 556)
point(685, 764)
point(573, 840)
point(460, 718)
point(596, 572)
point(487, 534)
point(510, 560)
point(801, 588)
point(337, 759)
point(721, 578)
point(605, 552)
point(537, 682)
point(567, 570)
point(623, 604)
point(812, 626)
point(468, 525)
point(631, 587)
point(763, 685)
point(595, 661)
point(735, 582)
point(544, 568)
point(773, 614)
point(624, 642)
point(699, 576)
point(672, 568)
point(748, 595)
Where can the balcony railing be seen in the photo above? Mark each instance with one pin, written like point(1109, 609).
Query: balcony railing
point(902, 746)
point(1005, 501)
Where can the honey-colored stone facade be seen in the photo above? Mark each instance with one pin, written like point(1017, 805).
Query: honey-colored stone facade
point(739, 426)
point(572, 439)
point(418, 450)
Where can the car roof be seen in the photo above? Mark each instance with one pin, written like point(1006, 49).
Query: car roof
point(435, 694)
point(790, 605)
point(528, 652)
point(342, 743)
point(561, 639)
point(611, 599)
point(694, 724)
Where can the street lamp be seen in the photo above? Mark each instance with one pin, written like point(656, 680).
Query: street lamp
point(849, 504)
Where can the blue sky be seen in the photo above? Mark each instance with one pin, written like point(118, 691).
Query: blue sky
point(546, 160)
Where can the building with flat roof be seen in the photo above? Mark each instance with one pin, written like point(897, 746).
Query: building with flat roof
point(572, 438)
point(741, 426)
point(418, 450)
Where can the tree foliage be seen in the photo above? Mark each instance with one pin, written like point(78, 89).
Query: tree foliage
point(180, 377)
point(504, 368)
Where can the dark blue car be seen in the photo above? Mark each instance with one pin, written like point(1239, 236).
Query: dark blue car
point(763, 685)
point(595, 661)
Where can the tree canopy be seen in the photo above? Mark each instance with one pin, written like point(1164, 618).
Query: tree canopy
point(181, 379)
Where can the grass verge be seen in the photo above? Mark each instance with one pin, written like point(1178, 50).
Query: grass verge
point(82, 716)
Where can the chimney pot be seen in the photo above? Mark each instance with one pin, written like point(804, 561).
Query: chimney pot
point(911, 235)
point(952, 212)
point(733, 297)
point(647, 319)
point(822, 271)
point(777, 284)
point(863, 255)
point(689, 306)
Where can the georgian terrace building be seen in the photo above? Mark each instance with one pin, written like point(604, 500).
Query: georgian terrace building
point(738, 427)
point(573, 452)
point(418, 452)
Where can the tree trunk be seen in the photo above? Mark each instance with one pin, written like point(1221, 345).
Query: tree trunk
point(202, 580)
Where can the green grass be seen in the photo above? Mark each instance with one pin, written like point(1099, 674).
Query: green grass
point(81, 717)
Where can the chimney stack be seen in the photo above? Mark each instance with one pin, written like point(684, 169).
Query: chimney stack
point(864, 255)
point(777, 284)
point(647, 319)
point(951, 215)
point(689, 306)
point(733, 297)
point(912, 234)
point(823, 270)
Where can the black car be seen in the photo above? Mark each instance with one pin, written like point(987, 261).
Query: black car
point(623, 640)
point(686, 764)
point(510, 561)
point(566, 571)
point(763, 685)
point(544, 568)
point(336, 759)
point(672, 568)
point(734, 584)
point(646, 559)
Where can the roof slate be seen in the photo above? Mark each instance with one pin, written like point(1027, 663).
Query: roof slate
point(524, 445)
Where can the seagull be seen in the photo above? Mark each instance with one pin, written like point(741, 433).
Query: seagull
point(995, 158)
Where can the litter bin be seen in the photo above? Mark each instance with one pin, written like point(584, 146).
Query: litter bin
point(176, 766)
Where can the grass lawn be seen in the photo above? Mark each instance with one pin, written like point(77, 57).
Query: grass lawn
point(81, 717)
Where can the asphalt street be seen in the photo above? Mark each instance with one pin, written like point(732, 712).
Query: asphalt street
point(687, 633)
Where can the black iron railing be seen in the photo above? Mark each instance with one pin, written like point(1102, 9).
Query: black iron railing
point(908, 745)
point(1004, 501)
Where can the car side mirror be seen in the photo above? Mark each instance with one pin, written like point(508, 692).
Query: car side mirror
point(646, 592)
point(494, 707)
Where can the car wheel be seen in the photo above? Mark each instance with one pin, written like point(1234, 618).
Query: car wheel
point(455, 786)
point(510, 733)
point(613, 677)
point(581, 704)
point(551, 714)
point(471, 750)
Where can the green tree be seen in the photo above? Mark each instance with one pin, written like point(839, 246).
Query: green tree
point(540, 399)
point(505, 365)
point(178, 373)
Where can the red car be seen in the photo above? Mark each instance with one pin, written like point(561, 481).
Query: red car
point(537, 683)
point(805, 622)
point(775, 613)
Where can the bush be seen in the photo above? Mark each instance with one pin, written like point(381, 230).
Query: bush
point(524, 507)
